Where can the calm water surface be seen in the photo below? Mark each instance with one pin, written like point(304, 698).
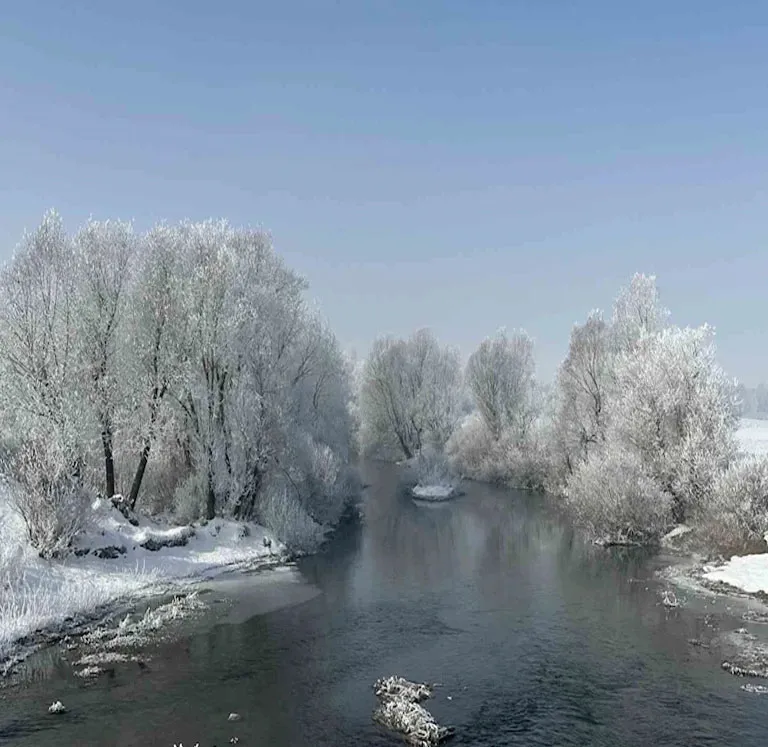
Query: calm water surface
point(538, 639)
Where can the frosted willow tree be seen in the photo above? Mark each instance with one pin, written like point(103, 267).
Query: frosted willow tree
point(500, 375)
point(103, 255)
point(40, 385)
point(410, 394)
point(637, 313)
point(584, 382)
point(650, 415)
point(158, 330)
point(677, 413)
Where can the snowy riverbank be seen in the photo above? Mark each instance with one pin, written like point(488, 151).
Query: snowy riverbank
point(748, 573)
point(115, 562)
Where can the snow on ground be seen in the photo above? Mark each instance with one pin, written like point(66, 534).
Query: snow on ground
point(433, 492)
point(748, 573)
point(752, 436)
point(37, 594)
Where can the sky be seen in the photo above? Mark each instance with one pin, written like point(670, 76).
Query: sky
point(456, 165)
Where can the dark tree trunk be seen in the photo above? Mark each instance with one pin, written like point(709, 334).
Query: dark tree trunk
point(109, 459)
point(139, 476)
point(210, 500)
point(246, 503)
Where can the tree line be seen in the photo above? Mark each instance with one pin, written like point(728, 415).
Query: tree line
point(180, 369)
point(636, 435)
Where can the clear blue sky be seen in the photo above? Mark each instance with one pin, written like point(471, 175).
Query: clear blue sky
point(458, 165)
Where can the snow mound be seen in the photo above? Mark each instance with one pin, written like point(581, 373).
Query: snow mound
point(433, 492)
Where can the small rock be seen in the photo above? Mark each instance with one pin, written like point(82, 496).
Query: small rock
point(57, 707)
point(234, 717)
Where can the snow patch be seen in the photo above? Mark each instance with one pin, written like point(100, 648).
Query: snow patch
point(433, 492)
point(748, 573)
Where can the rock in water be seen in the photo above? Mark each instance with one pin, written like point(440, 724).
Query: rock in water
point(400, 711)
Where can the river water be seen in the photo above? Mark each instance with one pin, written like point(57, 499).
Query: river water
point(536, 637)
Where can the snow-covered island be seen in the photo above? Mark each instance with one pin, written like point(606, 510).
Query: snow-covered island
point(434, 492)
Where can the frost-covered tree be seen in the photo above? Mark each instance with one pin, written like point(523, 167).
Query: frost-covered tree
point(42, 413)
point(500, 375)
point(410, 395)
point(158, 331)
point(677, 411)
point(38, 317)
point(637, 312)
point(583, 386)
point(103, 255)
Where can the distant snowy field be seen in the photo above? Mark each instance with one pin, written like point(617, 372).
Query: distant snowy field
point(37, 594)
point(752, 436)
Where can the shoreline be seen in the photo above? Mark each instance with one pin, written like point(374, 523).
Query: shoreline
point(81, 624)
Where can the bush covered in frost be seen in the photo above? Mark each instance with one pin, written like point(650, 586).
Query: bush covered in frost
point(613, 497)
point(735, 516)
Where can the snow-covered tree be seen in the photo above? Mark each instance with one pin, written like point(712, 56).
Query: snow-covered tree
point(637, 312)
point(42, 415)
point(158, 331)
point(410, 395)
point(500, 376)
point(584, 382)
point(103, 255)
point(677, 411)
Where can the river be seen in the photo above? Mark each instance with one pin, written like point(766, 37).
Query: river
point(536, 637)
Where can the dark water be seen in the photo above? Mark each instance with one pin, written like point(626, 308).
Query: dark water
point(538, 639)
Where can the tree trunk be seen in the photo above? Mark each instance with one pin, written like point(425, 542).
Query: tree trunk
point(246, 503)
point(109, 459)
point(139, 476)
point(210, 501)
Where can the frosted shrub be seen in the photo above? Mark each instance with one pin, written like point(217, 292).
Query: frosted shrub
point(282, 513)
point(479, 456)
point(432, 467)
point(189, 499)
point(48, 496)
point(735, 517)
point(613, 498)
point(469, 448)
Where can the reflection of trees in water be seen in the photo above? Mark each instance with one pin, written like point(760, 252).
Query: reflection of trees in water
point(482, 538)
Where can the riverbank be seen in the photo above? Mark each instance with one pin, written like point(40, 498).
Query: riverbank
point(116, 565)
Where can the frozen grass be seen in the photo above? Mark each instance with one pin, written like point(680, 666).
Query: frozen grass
point(45, 595)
